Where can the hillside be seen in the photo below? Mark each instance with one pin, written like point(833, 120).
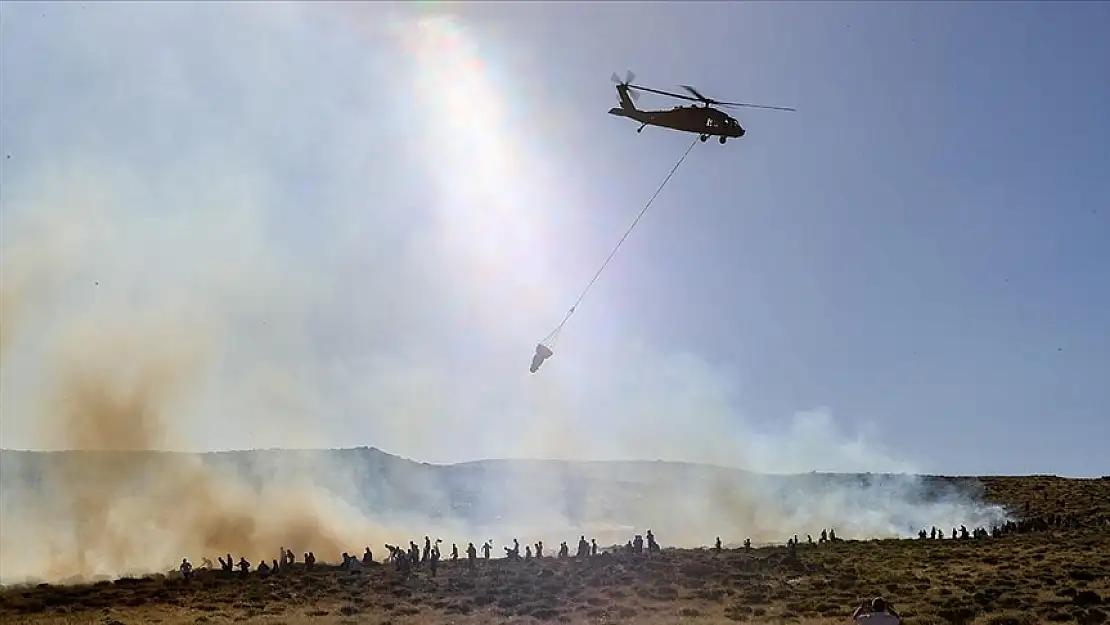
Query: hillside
point(488, 495)
point(251, 502)
point(379, 481)
point(483, 495)
point(1051, 565)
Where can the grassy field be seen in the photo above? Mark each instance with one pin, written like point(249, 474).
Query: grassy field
point(1056, 569)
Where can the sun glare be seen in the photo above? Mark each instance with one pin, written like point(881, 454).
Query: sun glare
point(492, 225)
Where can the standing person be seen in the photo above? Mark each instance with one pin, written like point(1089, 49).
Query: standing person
point(879, 612)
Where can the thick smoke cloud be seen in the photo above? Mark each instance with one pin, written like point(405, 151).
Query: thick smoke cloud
point(210, 247)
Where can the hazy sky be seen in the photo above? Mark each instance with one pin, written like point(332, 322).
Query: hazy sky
point(363, 217)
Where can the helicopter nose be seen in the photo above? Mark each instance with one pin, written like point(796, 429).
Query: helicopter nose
point(740, 131)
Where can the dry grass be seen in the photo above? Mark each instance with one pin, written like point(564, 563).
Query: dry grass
point(1054, 575)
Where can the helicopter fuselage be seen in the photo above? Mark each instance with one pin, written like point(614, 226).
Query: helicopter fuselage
point(705, 121)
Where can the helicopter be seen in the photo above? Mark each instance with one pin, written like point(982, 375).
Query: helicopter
point(704, 120)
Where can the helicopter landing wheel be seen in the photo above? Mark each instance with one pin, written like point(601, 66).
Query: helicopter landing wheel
point(722, 140)
point(704, 138)
point(640, 129)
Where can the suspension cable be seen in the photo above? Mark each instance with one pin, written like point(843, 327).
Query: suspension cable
point(554, 333)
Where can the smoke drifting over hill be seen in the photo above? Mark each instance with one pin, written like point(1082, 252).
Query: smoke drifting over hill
point(167, 286)
point(118, 375)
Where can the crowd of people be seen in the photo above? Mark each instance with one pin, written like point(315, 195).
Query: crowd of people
point(408, 558)
point(412, 557)
point(430, 556)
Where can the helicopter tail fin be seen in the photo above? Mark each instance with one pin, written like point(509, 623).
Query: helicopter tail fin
point(626, 102)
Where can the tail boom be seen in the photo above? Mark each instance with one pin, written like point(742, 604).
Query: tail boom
point(626, 102)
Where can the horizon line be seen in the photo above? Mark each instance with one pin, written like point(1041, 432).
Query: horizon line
point(539, 459)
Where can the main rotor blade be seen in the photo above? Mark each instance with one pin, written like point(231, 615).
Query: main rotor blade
point(695, 92)
point(756, 106)
point(666, 93)
point(719, 103)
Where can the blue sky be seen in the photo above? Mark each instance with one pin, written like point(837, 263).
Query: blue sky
point(352, 222)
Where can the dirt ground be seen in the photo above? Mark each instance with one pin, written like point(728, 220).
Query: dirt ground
point(1056, 568)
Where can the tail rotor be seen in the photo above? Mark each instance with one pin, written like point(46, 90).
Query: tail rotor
point(626, 84)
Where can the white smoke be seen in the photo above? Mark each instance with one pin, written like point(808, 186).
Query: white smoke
point(207, 245)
